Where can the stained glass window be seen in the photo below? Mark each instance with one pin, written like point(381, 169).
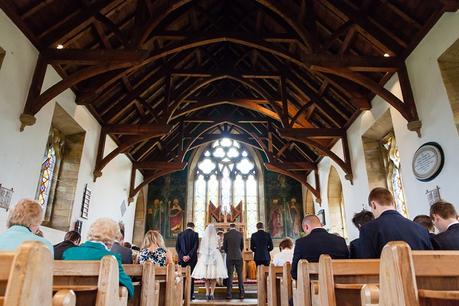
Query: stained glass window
point(46, 178)
point(394, 178)
point(226, 176)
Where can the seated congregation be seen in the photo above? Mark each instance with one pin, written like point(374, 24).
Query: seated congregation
point(391, 263)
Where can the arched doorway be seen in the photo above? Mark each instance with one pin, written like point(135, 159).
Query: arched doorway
point(309, 204)
point(337, 222)
point(139, 220)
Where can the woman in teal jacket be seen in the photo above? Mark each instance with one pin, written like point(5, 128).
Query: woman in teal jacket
point(102, 233)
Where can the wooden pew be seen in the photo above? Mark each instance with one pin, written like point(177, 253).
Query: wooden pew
point(170, 281)
point(414, 278)
point(279, 285)
point(26, 278)
point(262, 287)
point(149, 288)
point(95, 282)
point(305, 287)
point(273, 285)
point(341, 280)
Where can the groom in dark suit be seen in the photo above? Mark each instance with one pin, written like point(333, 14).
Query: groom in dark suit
point(261, 244)
point(187, 249)
point(233, 244)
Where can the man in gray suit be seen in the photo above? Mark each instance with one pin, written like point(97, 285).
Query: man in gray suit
point(233, 244)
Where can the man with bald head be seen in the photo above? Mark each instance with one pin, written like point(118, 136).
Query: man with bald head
point(317, 242)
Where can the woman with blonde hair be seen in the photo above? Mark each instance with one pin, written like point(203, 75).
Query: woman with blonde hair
point(154, 249)
point(23, 223)
point(101, 236)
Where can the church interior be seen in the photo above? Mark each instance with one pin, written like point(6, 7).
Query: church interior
point(157, 114)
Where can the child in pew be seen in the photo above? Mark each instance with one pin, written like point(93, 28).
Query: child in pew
point(154, 249)
point(102, 233)
point(286, 253)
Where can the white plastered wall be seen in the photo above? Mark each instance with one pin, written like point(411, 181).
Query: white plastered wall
point(437, 125)
point(21, 153)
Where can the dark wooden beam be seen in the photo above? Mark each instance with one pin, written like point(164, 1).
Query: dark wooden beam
point(27, 117)
point(158, 165)
point(60, 33)
point(173, 167)
point(93, 57)
point(312, 133)
point(373, 33)
point(245, 74)
point(294, 166)
point(300, 177)
point(133, 129)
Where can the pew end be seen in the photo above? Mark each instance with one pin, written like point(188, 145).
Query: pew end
point(24, 280)
point(369, 295)
point(64, 298)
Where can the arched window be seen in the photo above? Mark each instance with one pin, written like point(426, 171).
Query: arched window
point(49, 170)
point(226, 176)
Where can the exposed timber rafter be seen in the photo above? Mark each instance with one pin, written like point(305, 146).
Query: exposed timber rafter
point(407, 109)
point(308, 136)
point(152, 171)
point(134, 135)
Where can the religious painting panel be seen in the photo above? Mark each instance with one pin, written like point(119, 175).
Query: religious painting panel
point(166, 205)
point(283, 206)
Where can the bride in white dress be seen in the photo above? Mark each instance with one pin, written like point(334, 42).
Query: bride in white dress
point(210, 266)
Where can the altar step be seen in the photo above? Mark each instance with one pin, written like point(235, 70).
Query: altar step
point(220, 292)
point(244, 302)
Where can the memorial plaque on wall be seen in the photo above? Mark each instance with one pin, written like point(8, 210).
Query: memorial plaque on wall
point(428, 161)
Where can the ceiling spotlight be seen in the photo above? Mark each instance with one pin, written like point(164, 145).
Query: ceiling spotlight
point(59, 46)
point(386, 54)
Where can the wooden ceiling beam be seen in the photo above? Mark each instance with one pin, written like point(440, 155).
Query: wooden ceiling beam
point(158, 165)
point(170, 168)
point(407, 110)
point(247, 74)
point(295, 166)
point(144, 133)
point(76, 23)
point(312, 132)
point(133, 129)
point(93, 57)
point(366, 27)
point(300, 177)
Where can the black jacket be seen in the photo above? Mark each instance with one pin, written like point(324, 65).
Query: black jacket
point(61, 247)
point(233, 244)
point(318, 242)
point(391, 226)
point(354, 249)
point(448, 240)
point(125, 253)
point(187, 245)
point(261, 244)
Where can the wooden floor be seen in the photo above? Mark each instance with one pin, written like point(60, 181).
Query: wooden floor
point(245, 302)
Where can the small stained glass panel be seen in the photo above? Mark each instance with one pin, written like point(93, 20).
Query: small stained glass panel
point(46, 177)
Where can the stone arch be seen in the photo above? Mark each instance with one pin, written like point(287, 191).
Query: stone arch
point(337, 221)
point(139, 219)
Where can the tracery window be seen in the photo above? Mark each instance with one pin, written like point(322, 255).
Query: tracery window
point(226, 176)
point(391, 157)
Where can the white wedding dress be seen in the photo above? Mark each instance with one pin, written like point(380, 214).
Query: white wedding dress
point(210, 261)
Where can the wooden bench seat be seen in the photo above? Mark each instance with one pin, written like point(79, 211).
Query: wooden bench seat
point(305, 287)
point(26, 278)
point(415, 278)
point(341, 280)
point(95, 282)
point(279, 285)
